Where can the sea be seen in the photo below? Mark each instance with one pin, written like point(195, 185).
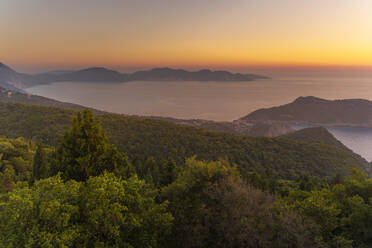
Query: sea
point(223, 101)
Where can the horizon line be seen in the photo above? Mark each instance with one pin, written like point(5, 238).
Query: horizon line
point(68, 66)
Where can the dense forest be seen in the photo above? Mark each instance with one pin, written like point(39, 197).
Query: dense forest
point(84, 192)
point(141, 138)
point(347, 112)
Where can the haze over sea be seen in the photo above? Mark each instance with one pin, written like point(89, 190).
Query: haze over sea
point(222, 101)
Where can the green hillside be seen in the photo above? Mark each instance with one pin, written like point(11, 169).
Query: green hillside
point(87, 194)
point(315, 134)
point(350, 112)
point(142, 138)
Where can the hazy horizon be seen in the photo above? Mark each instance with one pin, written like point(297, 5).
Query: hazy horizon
point(264, 70)
point(219, 101)
point(185, 34)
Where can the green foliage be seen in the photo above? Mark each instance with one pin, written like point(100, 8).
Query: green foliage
point(41, 165)
point(156, 173)
point(343, 212)
point(197, 204)
point(122, 213)
point(315, 134)
point(168, 172)
point(16, 157)
point(105, 212)
point(42, 216)
point(320, 135)
point(213, 207)
point(310, 109)
point(143, 138)
point(84, 150)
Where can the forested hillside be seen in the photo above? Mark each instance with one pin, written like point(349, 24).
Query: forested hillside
point(85, 193)
point(142, 138)
point(315, 134)
point(348, 112)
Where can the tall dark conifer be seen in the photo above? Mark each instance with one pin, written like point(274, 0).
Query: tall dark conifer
point(84, 150)
point(40, 166)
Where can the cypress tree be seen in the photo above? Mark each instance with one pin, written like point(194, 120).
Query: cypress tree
point(168, 172)
point(84, 150)
point(40, 166)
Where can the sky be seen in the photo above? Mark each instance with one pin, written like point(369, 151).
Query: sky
point(38, 35)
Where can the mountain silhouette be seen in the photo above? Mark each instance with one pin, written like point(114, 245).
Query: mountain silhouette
point(10, 77)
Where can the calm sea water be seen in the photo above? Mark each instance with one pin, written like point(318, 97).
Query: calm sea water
point(221, 101)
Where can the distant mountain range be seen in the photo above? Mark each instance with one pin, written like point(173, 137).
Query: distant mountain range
point(12, 79)
point(317, 111)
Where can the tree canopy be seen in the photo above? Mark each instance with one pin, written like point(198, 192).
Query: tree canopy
point(85, 193)
point(84, 150)
point(106, 211)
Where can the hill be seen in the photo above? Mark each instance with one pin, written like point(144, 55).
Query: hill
point(169, 74)
point(9, 87)
point(320, 135)
point(11, 79)
point(142, 138)
point(315, 134)
point(9, 76)
point(13, 96)
point(94, 74)
point(236, 127)
point(349, 112)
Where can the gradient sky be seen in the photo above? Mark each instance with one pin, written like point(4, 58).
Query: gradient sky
point(40, 34)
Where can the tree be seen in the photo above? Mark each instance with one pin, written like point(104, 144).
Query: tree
point(213, 207)
point(7, 180)
point(105, 211)
point(40, 167)
point(84, 150)
point(45, 215)
point(343, 211)
point(16, 157)
point(168, 174)
point(126, 215)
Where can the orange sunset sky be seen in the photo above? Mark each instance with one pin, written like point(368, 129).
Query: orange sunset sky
point(48, 34)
